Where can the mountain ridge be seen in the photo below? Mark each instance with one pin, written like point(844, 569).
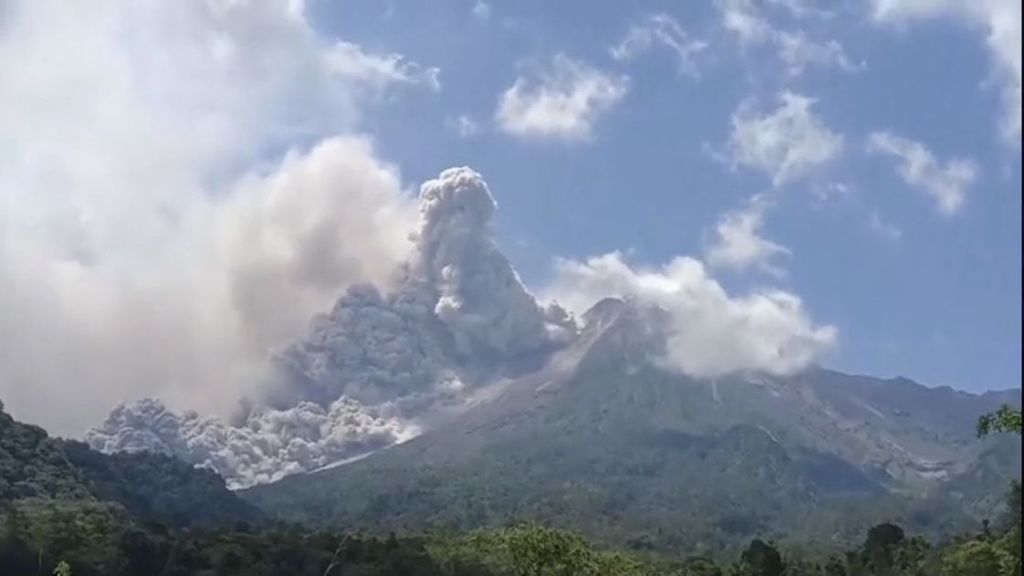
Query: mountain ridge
point(606, 434)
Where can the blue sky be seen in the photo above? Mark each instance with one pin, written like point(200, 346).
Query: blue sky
point(183, 185)
point(911, 290)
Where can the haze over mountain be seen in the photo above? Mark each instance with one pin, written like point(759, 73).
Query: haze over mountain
point(382, 366)
point(457, 399)
point(606, 440)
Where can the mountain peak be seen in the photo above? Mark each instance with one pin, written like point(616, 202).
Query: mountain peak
point(604, 312)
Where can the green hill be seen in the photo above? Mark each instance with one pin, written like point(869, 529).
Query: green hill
point(37, 468)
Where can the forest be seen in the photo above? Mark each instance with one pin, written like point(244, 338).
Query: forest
point(68, 510)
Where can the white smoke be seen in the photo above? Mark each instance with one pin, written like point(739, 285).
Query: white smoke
point(270, 445)
point(301, 234)
point(379, 361)
point(134, 258)
point(710, 333)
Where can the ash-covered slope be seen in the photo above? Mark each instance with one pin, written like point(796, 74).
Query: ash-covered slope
point(380, 366)
point(606, 439)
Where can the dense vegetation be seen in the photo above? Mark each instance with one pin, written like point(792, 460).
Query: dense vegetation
point(95, 540)
point(37, 468)
point(643, 460)
point(707, 495)
point(67, 510)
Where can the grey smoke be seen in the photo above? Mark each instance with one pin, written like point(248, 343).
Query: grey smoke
point(149, 227)
point(369, 371)
point(480, 297)
point(382, 365)
point(270, 445)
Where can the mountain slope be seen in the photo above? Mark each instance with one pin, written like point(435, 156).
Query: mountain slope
point(604, 438)
point(150, 487)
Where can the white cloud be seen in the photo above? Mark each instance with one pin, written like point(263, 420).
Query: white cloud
point(946, 184)
point(738, 244)
point(710, 332)
point(347, 60)
point(804, 8)
point(798, 52)
point(795, 49)
point(829, 192)
point(482, 10)
point(563, 101)
point(665, 31)
point(885, 229)
point(463, 126)
point(125, 235)
point(742, 18)
point(319, 222)
point(787, 143)
point(1001, 20)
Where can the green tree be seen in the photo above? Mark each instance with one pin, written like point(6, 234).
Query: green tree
point(701, 566)
point(977, 558)
point(1012, 539)
point(761, 559)
point(1006, 419)
point(834, 567)
point(539, 551)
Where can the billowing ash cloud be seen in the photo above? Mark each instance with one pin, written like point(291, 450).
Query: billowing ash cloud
point(270, 445)
point(148, 233)
point(460, 313)
point(480, 297)
point(373, 347)
point(378, 362)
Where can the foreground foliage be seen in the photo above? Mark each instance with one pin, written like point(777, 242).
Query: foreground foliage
point(93, 539)
point(151, 487)
point(67, 510)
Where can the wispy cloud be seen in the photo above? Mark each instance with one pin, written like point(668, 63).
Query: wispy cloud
point(347, 60)
point(946, 183)
point(738, 244)
point(884, 228)
point(664, 31)
point(482, 10)
point(794, 48)
point(1001, 20)
point(463, 126)
point(563, 101)
point(787, 143)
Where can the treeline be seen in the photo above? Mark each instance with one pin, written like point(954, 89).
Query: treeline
point(35, 466)
point(97, 539)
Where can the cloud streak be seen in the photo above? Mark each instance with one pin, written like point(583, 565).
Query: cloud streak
point(663, 31)
point(563, 101)
point(946, 184)
point(795, 49)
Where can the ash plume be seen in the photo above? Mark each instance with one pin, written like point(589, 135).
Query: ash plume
point(367, 372)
